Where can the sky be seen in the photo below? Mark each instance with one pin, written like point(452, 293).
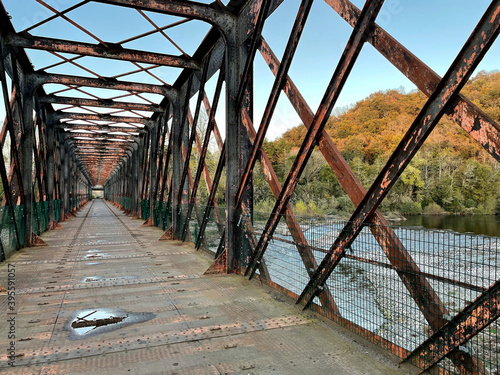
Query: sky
point(434, 31)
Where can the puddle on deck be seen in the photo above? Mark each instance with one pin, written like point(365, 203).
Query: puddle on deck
point(93, 279)
point(95, 254)
point(90, 322)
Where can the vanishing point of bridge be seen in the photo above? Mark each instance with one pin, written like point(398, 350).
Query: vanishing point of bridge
point(107, 295)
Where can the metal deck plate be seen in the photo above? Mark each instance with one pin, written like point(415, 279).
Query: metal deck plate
point(177, 321)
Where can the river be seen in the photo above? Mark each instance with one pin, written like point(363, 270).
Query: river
point(488, 225)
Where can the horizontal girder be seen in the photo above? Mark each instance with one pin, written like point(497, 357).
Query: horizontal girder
point(109, 51)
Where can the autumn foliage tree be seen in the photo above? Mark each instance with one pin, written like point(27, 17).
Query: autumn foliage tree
point(451, 171)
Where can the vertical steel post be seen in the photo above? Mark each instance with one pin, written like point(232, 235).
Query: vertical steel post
point(26, 145)
point(50, 168)
point(179, 138)
point(238, 148)
point(65, 178)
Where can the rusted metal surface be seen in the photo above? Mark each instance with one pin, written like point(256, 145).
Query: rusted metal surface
point(425, 297)
point(189, 9)
point(250, 54)
point(465, 325)
point(108, 51)
point(44, 78)
point(463, 66)
point(202, 151)
point(191, 141)
point(64, 142)
point(346, 63)
point(59, 115)
point(103, 103)
point(298, 236)
point(211, 198)
point(473, 120)
point(281, 75)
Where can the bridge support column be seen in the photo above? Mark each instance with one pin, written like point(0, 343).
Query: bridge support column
point(134, 181)
point(180, 136)
point(50, 170)
point(26, 145)
point(238, 149)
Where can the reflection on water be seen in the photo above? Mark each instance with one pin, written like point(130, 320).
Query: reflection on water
point(479, 224)
point(85, 323)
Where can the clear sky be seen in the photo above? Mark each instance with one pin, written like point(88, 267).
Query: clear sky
point(433, 30)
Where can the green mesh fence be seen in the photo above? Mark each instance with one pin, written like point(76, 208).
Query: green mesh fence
point(40, 217)
point(156, 212)
point(35, 219)
point(44, 220)
point(9, 240)
point(57, 210)
point(162, 215)
point(145, 209)
point(19, 212)
point(209, 238)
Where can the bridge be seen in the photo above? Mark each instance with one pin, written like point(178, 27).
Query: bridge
point(199, 282)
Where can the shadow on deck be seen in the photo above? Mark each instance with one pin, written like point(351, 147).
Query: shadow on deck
point(105, 297)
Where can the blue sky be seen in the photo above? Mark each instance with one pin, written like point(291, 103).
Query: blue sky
point(433, 30)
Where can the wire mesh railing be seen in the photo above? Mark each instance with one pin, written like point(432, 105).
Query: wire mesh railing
point(12, 224)
point(367, 286)
point(369, 292)
point(11, 229)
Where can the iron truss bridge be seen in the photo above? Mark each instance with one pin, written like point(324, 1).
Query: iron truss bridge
point(127, 119)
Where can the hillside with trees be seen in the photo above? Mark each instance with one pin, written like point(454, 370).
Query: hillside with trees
point(450, 173)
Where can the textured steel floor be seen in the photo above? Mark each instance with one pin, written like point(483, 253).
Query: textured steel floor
point(176, 321)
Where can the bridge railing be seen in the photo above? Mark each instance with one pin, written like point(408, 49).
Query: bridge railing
point(369, 296)
point(366, 294)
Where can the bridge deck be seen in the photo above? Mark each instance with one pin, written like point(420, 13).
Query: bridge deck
point(177, 321)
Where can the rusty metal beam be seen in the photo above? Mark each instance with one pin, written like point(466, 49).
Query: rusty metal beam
point(211, 198)
point(274, 95)
point(108, 51)
point(351, 52)
point(100, 143)
point(202, 151)
point(445, 95)
point(473, 120)
point(105, 156)
point(188, 9)
point(191, 140)
point(168, 153)
point(455, 333)
point(422, 292)
point(193, 133)
point(60, 115)
point(109, 83)
point(102, 135)
point(252, 49)
point(102, 151)
point(180, 129)
point(299, 239)
point(102, 103)
point(97, 128)
point(16, 167)
point(208, 109)
point(161, 152)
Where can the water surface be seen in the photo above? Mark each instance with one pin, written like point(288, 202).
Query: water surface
point(479, 224)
